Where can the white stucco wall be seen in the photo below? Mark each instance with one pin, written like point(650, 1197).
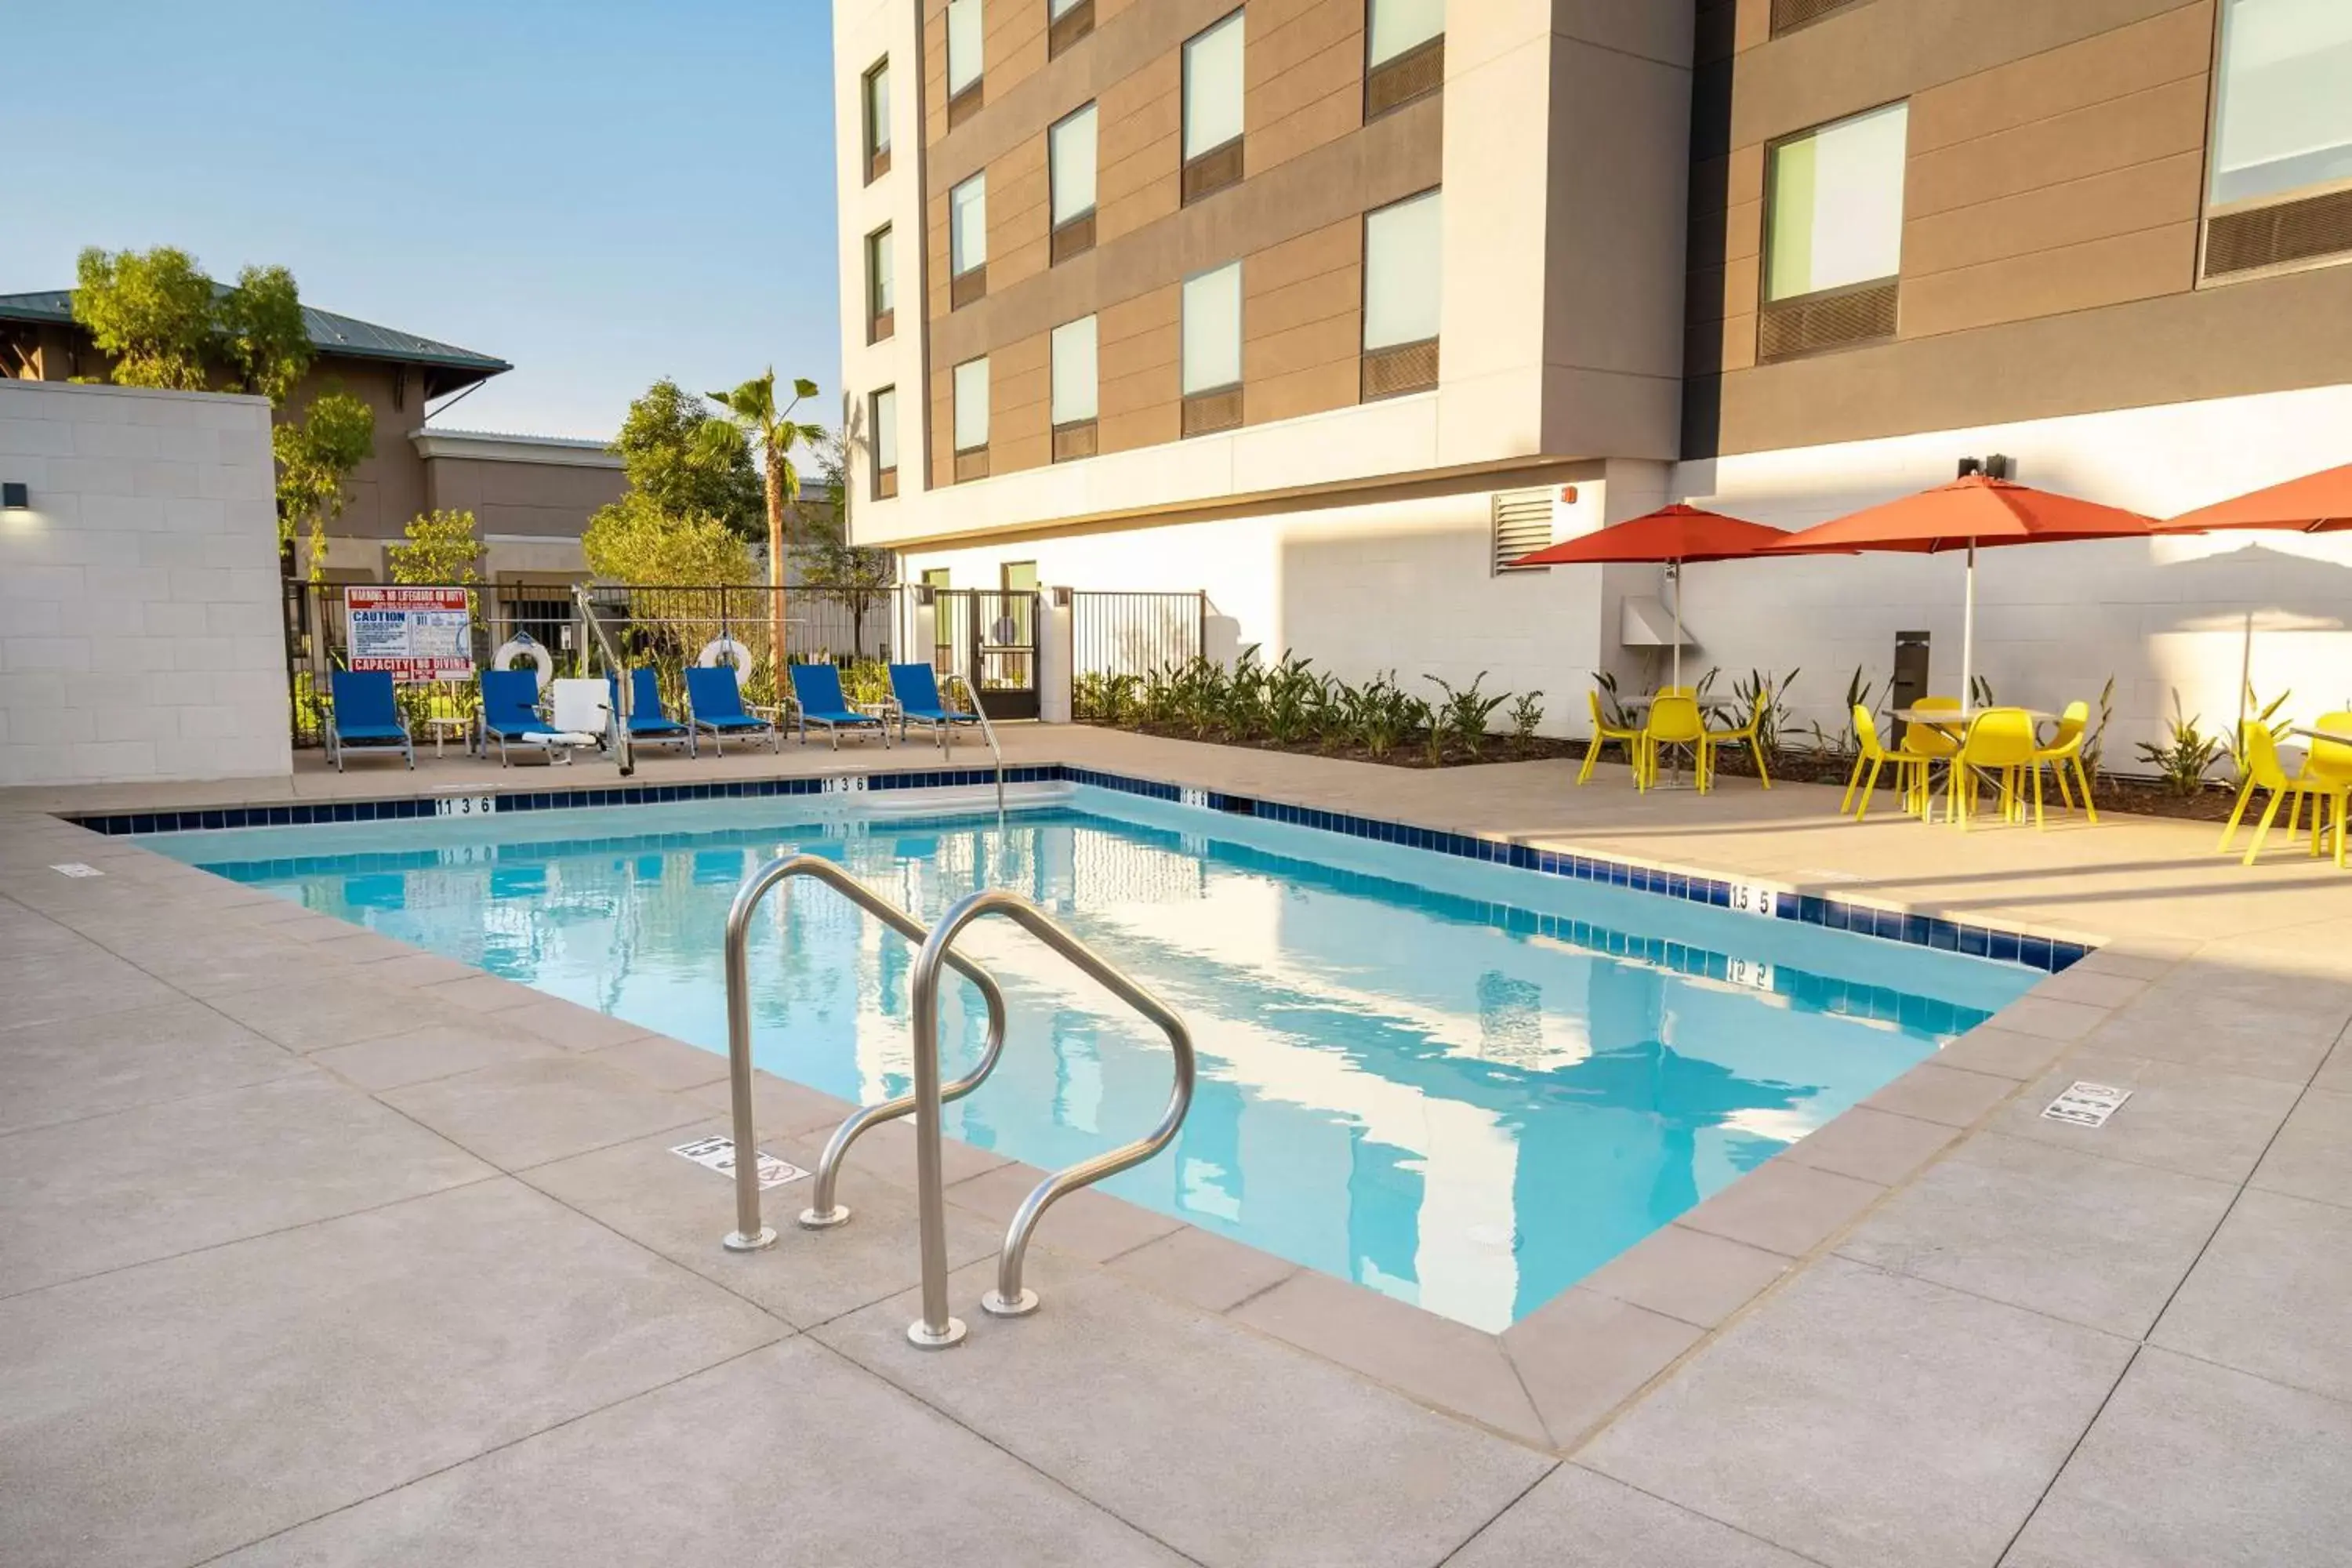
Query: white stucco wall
point(2053, 622)
point(140, 619)
point(1403, 585)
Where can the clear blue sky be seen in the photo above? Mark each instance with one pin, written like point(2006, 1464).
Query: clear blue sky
point(599, 192)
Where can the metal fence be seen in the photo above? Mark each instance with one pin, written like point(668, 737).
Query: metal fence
point(1134, 634)
point(667, 627)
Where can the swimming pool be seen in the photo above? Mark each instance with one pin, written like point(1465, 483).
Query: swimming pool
point(1464, 1085)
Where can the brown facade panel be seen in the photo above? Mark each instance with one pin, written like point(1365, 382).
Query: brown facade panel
point(2266, 334)
point(1315, 391)
point(1020, 402)
point(1141, 123)
point(2161, 49)
point(2074, 277)
point(2138, 128)
point(1327, 119)
point(2129, 199)
point(1334, 340)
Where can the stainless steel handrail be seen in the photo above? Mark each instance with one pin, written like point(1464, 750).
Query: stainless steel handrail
point(936, 1328)
point(958, 677)
point(749, 1233)
point(622, 684)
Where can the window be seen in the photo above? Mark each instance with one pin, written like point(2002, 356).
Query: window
point(1077, 381)
point(1212, 350)
point(1067, 21)
point(1833, 235)
point(1213, 109)
point(971, 420)
point(2280, 169)
point(1404, 52)
point(963, 61)
point(883, 421)
point(1070, 152)
point(968, 241)
point(1402, 270)
point(877, 122)
point(881, 292)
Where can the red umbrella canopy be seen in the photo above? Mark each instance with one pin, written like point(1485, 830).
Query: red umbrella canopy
point(1971, 510)
point(1675, 533)
point(2315, 503)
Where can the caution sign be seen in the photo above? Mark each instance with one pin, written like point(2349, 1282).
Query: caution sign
point(416, 634)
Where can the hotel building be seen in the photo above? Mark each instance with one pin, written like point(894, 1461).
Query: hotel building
point(1333, 308)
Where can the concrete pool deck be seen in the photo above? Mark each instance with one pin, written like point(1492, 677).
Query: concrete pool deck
point(281, 1204)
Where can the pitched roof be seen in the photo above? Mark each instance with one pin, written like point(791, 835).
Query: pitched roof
point(330, 334)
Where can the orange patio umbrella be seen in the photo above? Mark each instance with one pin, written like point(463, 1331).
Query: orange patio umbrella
point(2315, 503)
point(1975, 510)
point(1674, 536)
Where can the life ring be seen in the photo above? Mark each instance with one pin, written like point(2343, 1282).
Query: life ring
point(721, 648)
point(531, 648)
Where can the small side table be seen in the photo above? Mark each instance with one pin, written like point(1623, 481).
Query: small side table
point(442, 729)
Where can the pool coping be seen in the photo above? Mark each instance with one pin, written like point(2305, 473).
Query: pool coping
point(1558, 1376)
point(2043, 948)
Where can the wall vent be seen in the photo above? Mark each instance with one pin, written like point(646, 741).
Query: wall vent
point(1208, 412)
point(1833, 319)
point(1393, 83)
point(1789, 14)
point(2279, 234)
point(1069, 27)
point(1395, 371)
point(1522, 525)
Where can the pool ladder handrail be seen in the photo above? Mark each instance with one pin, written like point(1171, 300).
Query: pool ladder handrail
point(957, 678)
point(617, 722)
point(750, 1234)
point(937, 1329)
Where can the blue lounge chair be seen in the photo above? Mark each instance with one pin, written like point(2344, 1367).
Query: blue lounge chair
point(365, 717)
point(714, 701)
point(649, 723)
point(817, 700)
point(917, 689)
point(510, 712)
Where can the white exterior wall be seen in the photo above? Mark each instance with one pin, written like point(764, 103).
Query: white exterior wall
point(140, 631)
point(2053, 622)
point(1403, 585)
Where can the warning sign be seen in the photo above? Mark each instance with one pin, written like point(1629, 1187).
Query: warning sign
point(417, 634)
point(718, 1154)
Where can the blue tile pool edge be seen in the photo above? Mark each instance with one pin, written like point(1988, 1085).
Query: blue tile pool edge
point(2047, 954)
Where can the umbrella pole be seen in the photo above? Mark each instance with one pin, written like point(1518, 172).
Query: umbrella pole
point(1674, 575)
point(1969, 634)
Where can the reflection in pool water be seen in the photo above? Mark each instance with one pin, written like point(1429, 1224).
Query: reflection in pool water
point(1464, 1086)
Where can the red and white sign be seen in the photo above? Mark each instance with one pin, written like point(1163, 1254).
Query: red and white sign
point(417, 634)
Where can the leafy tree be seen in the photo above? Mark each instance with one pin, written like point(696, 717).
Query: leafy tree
point(441, 549)
point(688, 461)
point(858, 578)
point(315, 455)
point(752, 410)
point(634, 541)
point(167, 324)
point(153, 313)
point(261, 331)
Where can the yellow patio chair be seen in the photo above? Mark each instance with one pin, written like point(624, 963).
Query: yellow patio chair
point(1603, 732)
point(1910, 769)
point(2264, 770)
point(1675, 721)
point(2064, 751)
point(2328, 765)
point(1750, 735)
point(2000, 741)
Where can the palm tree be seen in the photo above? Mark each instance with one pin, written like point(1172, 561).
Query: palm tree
point(751, 408)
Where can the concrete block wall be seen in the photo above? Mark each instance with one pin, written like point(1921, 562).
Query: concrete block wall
point(140, 626)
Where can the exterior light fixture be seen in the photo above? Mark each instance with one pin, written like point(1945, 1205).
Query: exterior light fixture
point(16, 496)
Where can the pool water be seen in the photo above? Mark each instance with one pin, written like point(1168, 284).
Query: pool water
point(1463, 1085)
